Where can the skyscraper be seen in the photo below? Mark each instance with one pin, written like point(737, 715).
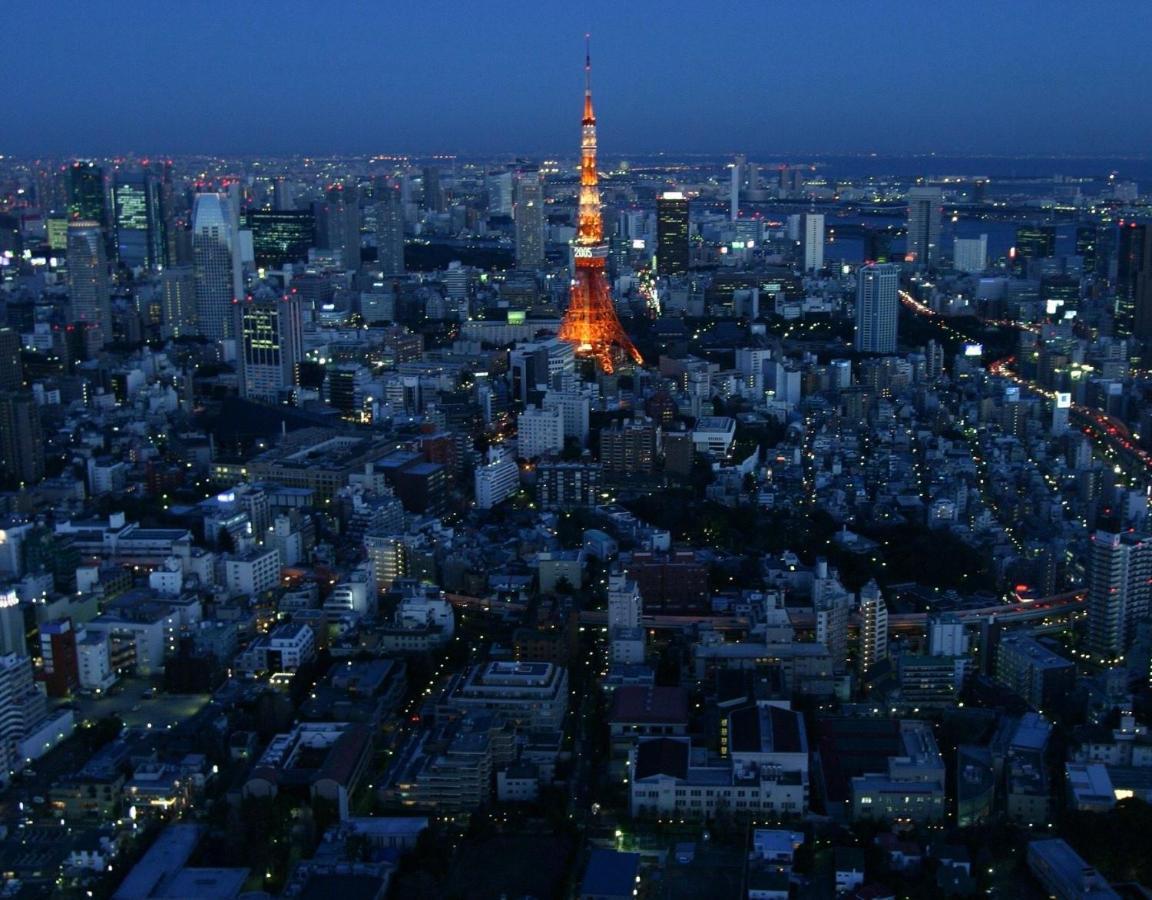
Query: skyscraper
point(138, 220)
point(877, 308)
point(281, 237)
point(529, 215)
point(1119, 588)
point(590, 323)
point(734, 187)
point(88, 290)
point(21, 442)
point(1133, 315)
point(390, 232)
point(1086, 238)
point(433, 192)
point(1035, 242)
point(216, 261)
point(11, 367)
point(813, 241)
point(923, 244)
point(500, 188)
point(672, 234)
point(270, 346)
point(178, 287)
point(86, 192)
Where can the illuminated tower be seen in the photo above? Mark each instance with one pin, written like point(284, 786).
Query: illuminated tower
point(591, 322)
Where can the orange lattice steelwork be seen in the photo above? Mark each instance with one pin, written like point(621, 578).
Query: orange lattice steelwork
point(591, 322)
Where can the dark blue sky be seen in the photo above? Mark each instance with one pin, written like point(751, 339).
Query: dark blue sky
point(765, 77)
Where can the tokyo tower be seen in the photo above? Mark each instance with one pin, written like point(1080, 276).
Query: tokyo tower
point(591, 322)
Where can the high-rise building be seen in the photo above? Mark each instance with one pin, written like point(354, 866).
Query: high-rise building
point(390, 232)
point(1119, 590)
point(433, 192)
point(216, 261)
point(271, 346)
point(13, 637)
point(1033, 242)
point(539, 432)
point(924, 209)
point(529, 215)
point(338, 225)
point(813, 242)
point(1134, 282)
point(873, 627)
point(138, 220)
point(500, 186)
point(1087, 237)
point(23, 710)
point(877, 308)
point(630, 447)
point(178, 297)
point(672, 252)
point(88, 290)
point(281, 237)
point(734, 187)
point(11, 367)
point(21, 442)
point(86, 198)
point(970, 254)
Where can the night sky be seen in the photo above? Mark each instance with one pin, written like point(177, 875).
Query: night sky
point(762, 77)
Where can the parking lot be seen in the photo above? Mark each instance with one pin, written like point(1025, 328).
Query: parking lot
point(130, 701)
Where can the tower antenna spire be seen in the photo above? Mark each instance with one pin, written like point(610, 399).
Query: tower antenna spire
point(587, 63)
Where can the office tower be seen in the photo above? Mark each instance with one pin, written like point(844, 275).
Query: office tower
point(1086, 238)
point(283, 194)
point(86, 192)
point(216, 262)
point(88, 291)
point(500, 186)
point(433, 193)
point(1134, 282)
point(873, 627)
point(970, 254)
point(178, 296)
point(271, 346)
point(138, 220)
point(350, 224)
point(529, 213)
point(338, 224)
point(813, 242)
point(734, 187)
point(1034, 242)
point(672, 234)
point(877, 308)
point(390, 232)
point(590, 323)
point(923, 243)
point(21, 441)
point(496, 481)
point(11, 367)
point(281, 237)
point(1119, 587)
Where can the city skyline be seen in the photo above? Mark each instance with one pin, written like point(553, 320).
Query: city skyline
point(830, 82)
